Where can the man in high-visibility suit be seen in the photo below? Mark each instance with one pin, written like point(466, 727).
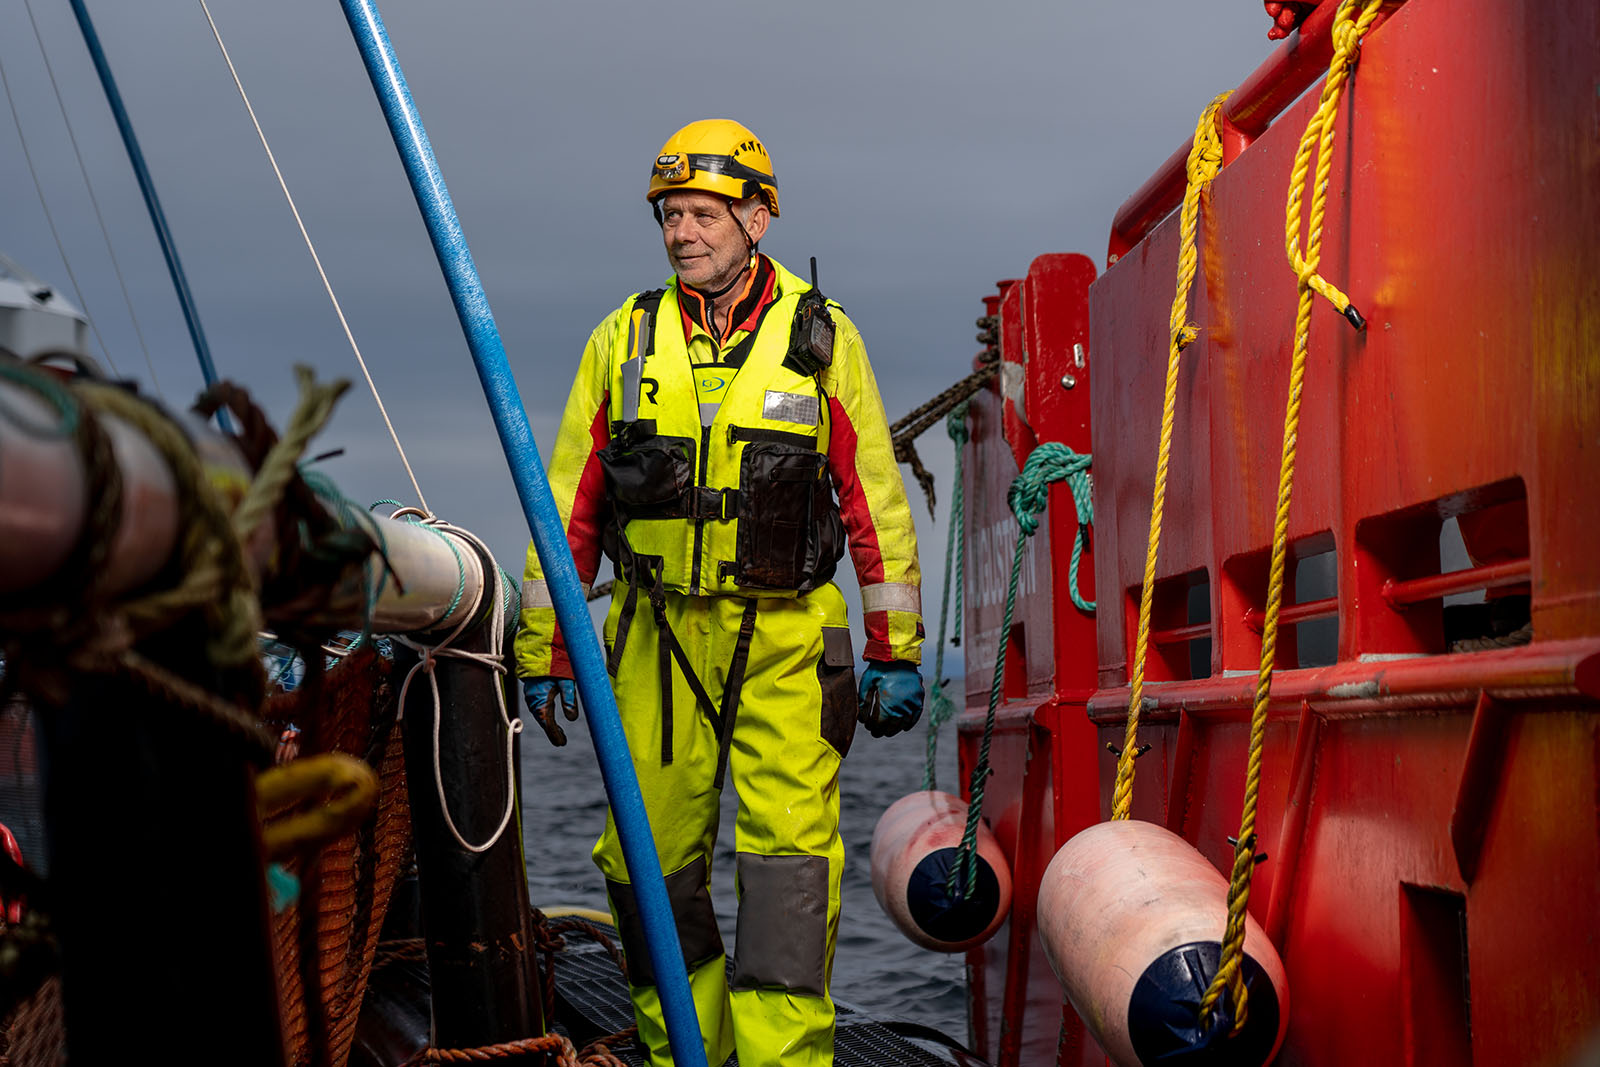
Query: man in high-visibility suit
point(723, 437)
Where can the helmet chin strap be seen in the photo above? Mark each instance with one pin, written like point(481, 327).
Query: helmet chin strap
point(711, 297)
point(752, 247)
point(749, 264)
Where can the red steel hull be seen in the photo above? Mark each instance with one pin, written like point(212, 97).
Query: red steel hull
point(1429, 813)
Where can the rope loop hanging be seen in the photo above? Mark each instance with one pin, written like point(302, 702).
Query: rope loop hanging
point(505, 607)
point(1047, 464)
point(1205, 159)
point(1348, 29)
point(941, 708)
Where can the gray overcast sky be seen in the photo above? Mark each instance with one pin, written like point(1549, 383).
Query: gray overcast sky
point(923, 152)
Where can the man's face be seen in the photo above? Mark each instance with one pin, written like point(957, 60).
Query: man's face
point(705, 244)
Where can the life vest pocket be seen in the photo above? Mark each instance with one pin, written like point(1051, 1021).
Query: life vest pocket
point(790, 535)
point(648, 477)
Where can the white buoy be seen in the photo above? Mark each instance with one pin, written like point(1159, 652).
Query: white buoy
point(914, 845)
point(1132, 919)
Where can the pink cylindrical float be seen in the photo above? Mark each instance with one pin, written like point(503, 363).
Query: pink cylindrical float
point(914, 846)
point(1132, 919)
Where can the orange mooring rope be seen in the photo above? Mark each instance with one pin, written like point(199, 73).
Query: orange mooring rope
point(1347, 33)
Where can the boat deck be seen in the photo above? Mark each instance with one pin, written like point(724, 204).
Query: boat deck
point(592, 1001)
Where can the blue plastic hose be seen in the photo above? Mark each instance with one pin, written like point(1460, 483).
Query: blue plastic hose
point(527, 471)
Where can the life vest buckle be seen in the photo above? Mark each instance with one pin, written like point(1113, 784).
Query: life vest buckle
point(721, 505)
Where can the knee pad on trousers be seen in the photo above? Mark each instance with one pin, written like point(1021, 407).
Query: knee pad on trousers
point(783, 924)
point(692, 913)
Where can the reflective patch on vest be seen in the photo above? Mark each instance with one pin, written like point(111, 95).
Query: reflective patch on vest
point(891, 596)
point(639, 337)
point(792, 407)
point(782, 939)
point(632, 372)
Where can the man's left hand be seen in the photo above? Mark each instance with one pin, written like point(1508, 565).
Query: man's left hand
point(891, 697)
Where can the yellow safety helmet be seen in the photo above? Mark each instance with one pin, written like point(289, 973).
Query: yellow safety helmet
point(715, 156)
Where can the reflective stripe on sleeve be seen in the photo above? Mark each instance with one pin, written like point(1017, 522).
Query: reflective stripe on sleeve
point(536, 593)
point(891, 596)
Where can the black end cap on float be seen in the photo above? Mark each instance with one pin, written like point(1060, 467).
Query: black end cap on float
point(1164, 1012)
point(950, 916)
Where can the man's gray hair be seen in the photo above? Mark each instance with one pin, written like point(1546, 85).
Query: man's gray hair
point(745, 209)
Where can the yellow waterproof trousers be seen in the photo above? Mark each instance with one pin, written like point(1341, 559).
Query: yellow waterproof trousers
point(793, 723)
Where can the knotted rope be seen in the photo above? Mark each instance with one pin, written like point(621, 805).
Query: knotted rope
point(1047, 464)
point(1347, 31)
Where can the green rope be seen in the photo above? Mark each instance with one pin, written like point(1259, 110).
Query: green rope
point(943, 709)
point(1047, 464)
point(48, 389)
point(511, 602)
point(461, 573)
point(352, 517)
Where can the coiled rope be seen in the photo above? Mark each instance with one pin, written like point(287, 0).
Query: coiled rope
point(1205, 159)
point(1347, 31)
point(942, 708)
point(1047, 464)
point(505, 608)
point(553, 1045)
point(332, 794)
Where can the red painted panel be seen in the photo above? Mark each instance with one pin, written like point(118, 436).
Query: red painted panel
point(1464, 206)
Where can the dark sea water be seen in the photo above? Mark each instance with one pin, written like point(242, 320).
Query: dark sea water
point(875, 969)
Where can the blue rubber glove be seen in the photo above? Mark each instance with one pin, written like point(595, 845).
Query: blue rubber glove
point(544, 694)
point(891, 697)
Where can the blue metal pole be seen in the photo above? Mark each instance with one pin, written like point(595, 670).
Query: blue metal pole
point(158, 219)
point(527, 471)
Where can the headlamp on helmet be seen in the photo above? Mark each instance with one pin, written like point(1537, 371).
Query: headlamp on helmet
point(715, 156)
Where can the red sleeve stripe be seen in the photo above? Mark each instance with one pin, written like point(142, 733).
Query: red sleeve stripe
point(589, 505)
point(876, 623)
point(583, 528)
point(864, 549)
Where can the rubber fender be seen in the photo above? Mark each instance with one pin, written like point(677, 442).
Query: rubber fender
point(914, 846)
point(1132, 919)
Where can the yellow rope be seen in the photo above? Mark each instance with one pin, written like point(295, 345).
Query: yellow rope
point(1347, 33)
point(1205, 159)
point(337, 793)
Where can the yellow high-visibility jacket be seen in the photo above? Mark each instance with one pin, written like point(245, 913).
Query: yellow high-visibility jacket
point(644, 406)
